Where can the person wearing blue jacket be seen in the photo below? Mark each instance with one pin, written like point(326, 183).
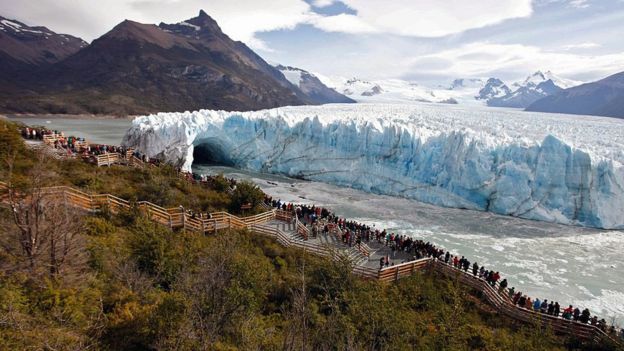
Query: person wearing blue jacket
point(537, 304)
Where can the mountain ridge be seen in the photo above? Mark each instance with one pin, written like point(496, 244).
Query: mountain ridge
point(138, 68)
point(604, 97)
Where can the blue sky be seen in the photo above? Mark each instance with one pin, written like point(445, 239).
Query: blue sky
point(428, 41)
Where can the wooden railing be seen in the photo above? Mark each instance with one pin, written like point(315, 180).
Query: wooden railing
point(172, 217)
point(288, 241)
point(504, 305)
point(178, 218)
point(108, 159)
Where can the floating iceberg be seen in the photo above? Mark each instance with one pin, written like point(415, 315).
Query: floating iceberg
point(557, 168)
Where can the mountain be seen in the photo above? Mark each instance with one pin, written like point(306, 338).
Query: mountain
point(141, 68)
point(23, 47)
point(312, 87)
point(466, 83)
point(494, 88)
point(602, 98)
point(385, 90)
point(534, 87)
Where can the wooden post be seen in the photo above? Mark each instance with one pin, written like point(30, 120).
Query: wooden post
point(183, 218)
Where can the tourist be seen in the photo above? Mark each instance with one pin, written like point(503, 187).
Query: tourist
point(475, 269)
point(585, 315)
point(516, 298)
point(529, 303)
point(537, 304)
point(544, 306)
point(503, 286)
point(511, 292)
point(567, 313)
point(551, 308)
point(557, 309)
point(576, 314)
point(602, 325)
point(521, 301)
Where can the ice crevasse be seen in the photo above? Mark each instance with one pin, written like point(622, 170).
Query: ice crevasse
point(557, 168)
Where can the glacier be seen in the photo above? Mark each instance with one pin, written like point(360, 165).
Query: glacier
point(548, 167)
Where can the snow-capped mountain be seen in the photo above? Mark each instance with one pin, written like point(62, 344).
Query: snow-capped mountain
point(466, 83)
point(312, 86)
point(23, 48)
point(602, 98)
point(473, 91)
point(540, 77)
point(140, 68)
point(494, 88)
point(380, 91)
point(534, 87)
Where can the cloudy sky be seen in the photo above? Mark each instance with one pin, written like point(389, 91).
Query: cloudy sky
point(429, 41)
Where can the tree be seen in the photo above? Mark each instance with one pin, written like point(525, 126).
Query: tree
point(246, 193)
point(43, 232)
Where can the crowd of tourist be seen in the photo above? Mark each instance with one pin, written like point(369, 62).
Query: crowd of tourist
point(323, 221)
point(78, 146)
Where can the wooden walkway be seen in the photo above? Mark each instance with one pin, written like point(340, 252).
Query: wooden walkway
point(287, 230)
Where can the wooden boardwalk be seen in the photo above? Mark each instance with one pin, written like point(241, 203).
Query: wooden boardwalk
point(287, 230)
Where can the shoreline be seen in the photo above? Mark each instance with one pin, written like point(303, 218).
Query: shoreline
point(66, 116)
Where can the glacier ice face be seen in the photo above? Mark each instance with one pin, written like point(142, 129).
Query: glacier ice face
point(558, 168)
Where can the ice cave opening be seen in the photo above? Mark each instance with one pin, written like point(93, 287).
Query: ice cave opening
point(211, 152)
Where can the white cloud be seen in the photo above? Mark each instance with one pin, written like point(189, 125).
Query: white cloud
point(579, 4)
point(581, 46)
point(343, 23)
point(424, 18)
point(323, 3)
point(240, 19)
point(484, 59)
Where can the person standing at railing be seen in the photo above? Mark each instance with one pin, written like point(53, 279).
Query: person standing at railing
point(511, 292)
point(567, 313)
point(521, 300)
point(475, 269)
point(544, 306)
point(576, 314)
point(502, 286)
point(585, 315)
point(557, 309)
point(537, 304)
point(551, 308)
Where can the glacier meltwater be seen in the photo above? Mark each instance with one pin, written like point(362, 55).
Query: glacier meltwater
point(557, 168)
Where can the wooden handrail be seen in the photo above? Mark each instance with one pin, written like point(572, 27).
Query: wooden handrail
point(176, 217)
